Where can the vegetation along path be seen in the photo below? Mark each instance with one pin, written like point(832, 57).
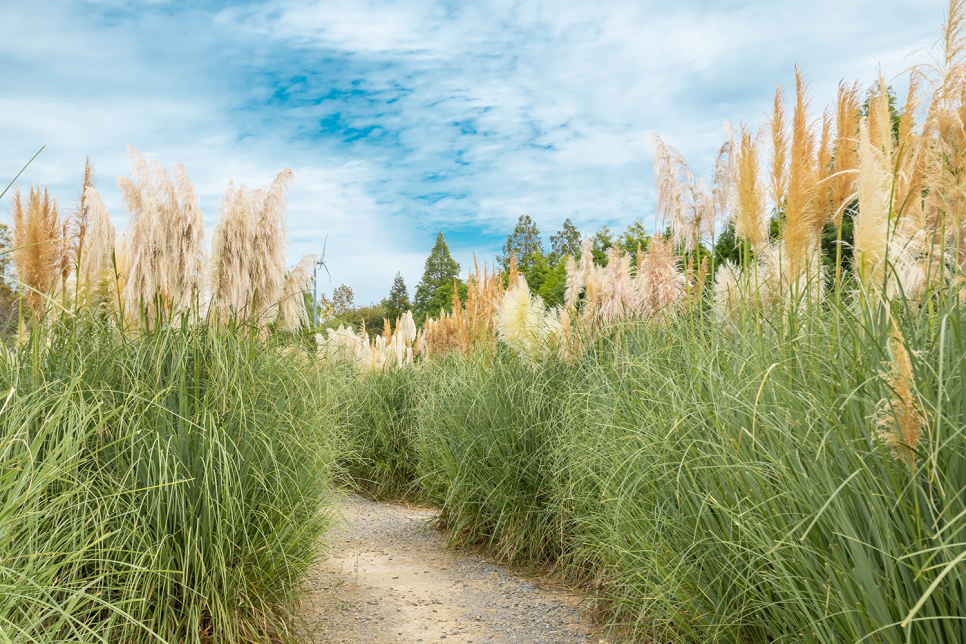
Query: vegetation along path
point(388, 577)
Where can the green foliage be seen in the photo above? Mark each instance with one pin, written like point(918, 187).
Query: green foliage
point(163, 488)
point(554, 285)
point(525, 242)
point(719, 486)
point(440, 271)
point(635, 236)
point(728, 246)
point(380, 441)
point(483, 454)
point(565, 242)
point(370, 316)
point(442, 299)
point(602, 240)
point(398, 301)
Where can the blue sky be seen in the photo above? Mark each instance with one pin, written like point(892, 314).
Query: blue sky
point(404, 118)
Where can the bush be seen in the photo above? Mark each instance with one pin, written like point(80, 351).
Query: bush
point(169, 487)
point(486, 432)
point(379, 452)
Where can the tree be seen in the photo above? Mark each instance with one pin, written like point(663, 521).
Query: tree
point(398, 301)
point(602, 240)
point(565, 242)
point(343, 300)
point(442, 299)
point(525, 242)
point(440, 271)
point(554, 285)
point(635, 235)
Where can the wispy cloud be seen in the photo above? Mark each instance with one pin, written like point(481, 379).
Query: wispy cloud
point(404, 118)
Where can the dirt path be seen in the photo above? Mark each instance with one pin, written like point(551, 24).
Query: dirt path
point(389, 578)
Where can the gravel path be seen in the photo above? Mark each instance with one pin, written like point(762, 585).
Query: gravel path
point(389, 578)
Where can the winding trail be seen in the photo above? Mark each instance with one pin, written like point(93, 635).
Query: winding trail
point(390, 578)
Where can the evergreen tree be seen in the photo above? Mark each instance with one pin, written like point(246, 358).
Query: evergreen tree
point(440, 270)
point(525, 242)
point(565, 242)
point(398, 301)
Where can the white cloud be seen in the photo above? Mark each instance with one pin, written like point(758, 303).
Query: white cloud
point(403, 118)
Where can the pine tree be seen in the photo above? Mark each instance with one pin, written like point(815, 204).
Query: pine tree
point(525, 242)
point(398, 301)
point(565, 242)
point(440, 270)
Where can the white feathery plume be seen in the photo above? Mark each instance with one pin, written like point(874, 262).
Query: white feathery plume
point(728, 295)
point(145, 240)
point(98, 241)
point(291, 308)
point(872, 222)
point(523, 323)
point(186, 245)
point(621, 299)
point(271, 245)
point(232, 252)
point(574, 283)
point(660, 282)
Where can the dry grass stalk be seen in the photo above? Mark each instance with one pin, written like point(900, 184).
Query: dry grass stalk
point(471, 324)
point(872, 222)
point(823, 195)
point(247, 264)
point(750, 216)
point(185, 250)
point(145, 239)
point(37, 238)
point(778, 170)
point(801, 217)
point(383, 352)
point(900, 417)
point(846, 149)
point(725, 177)
point(880, 119)
point(660, 282)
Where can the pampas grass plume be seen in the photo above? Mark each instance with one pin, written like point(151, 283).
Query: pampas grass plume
point(37, 238)
point(291, 308)
point(872, 222)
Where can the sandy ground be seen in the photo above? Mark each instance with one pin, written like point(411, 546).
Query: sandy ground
point(389, 578)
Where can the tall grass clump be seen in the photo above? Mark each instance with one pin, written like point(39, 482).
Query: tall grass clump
point(379, 420)
point(160, 487)
point(486, 436)
point(765, 489)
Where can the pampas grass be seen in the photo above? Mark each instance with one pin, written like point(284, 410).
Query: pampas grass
point(524, 323)
point(750, 218)
point(145, 240)
point(270, 244)
point(38, 242)
point(846, 149)
point(185, 250)
point(292, 315)
point(872, 222)
point(900, 417)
